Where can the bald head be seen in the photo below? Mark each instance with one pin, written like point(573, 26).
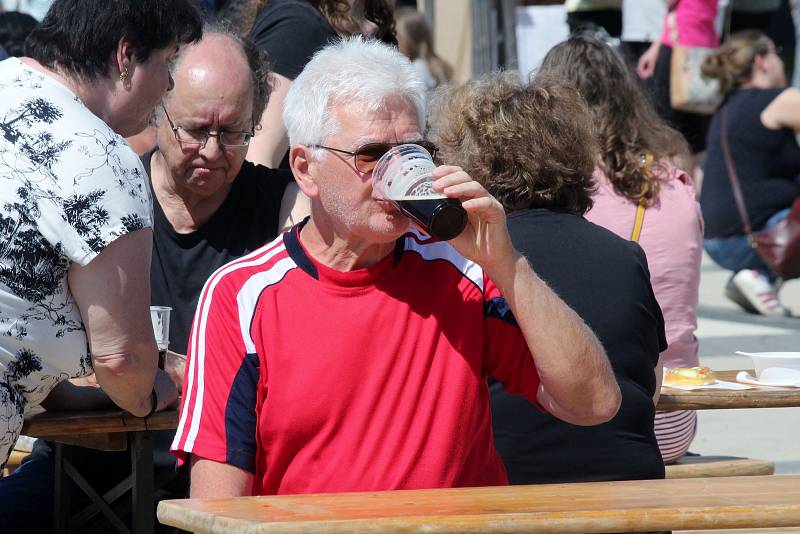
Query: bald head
point(219, 95)
point(222, 65)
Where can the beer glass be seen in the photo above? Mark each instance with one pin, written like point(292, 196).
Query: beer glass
point(159, 315)
point(403, 177)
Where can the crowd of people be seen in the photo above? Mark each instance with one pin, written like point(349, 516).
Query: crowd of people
point(319, 340)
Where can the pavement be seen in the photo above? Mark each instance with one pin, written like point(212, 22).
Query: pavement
point(723, 328)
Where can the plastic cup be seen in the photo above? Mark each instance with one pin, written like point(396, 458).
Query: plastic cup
point(159, 315)
point(403, 177)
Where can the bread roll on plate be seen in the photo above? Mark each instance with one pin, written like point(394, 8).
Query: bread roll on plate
point(689, 376)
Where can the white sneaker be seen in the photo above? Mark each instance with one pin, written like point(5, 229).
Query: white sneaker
point(759, 294)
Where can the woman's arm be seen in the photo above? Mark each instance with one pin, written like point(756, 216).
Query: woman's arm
point(783, 111)
point(113, 295)
point(646, 65)
point(271, 142)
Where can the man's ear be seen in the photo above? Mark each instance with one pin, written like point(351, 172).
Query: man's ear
point(300, 163)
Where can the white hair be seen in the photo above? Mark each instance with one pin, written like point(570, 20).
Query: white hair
point(367, 72)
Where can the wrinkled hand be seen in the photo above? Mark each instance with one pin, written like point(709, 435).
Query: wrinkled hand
point(166, 391)
point(175, 365)
point(485, 239)
point(647, 62)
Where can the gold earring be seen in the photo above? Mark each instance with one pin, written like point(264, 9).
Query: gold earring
point(123, 76)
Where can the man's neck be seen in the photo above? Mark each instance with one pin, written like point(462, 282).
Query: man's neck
point(337, 252)
point(185, 211)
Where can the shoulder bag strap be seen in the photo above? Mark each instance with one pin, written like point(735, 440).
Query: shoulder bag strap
point(734, 178)
point(639, 221)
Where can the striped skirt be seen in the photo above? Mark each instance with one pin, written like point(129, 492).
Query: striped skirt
point(675, 432)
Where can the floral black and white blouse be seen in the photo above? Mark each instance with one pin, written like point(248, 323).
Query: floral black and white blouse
point(69, 186)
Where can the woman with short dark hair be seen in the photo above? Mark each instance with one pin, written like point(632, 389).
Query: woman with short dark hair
point(75, 221)
point(533, 148)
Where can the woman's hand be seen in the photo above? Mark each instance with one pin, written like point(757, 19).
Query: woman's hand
point(647, 63)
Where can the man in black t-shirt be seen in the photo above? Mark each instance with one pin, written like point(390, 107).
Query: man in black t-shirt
point(211, 206)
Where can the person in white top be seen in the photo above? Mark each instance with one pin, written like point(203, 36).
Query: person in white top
point(75, 220)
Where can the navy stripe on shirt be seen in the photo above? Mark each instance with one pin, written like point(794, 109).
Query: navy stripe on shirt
point(240, 416)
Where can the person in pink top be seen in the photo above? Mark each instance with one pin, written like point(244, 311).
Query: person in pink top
point(635, 168)
point(694, 20)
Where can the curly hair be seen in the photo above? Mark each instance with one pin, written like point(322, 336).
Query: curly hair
point(529, 145)
point(733, 63)
point(629, 131)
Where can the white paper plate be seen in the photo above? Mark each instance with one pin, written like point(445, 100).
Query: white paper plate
point(776, 368)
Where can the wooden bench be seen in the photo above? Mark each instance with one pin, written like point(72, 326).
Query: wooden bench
point(718, 466)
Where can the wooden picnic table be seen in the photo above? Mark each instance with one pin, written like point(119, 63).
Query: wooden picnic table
point(698, 503)
point(721, 399)
point(93, 428)
point(107, 430)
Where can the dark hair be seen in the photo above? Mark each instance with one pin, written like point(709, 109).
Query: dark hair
point(260, 75)
point(530, 146)
point(626, 124)
point(14, 28)
point(80, 36)
point(733, 63)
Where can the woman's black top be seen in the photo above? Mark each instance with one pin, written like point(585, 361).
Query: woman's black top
point(767, 163)
point(605, 280)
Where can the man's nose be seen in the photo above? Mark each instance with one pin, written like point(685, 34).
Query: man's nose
point(213, 146)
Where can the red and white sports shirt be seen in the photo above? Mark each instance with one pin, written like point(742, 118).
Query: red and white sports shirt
point(317, 380)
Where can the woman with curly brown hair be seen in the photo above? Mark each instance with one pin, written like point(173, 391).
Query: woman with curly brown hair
point(636, 168)
point(533, 148)
point(763, 116)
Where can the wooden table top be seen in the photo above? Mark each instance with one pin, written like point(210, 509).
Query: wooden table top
point(718, 399)
point(697, 503)
point(58, 423)
point(87, 427)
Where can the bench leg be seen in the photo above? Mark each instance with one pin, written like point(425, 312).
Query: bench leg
point(62, 491)
point(143, 487)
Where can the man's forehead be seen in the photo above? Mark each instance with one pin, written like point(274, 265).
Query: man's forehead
point(367, 139)
point(397, 118)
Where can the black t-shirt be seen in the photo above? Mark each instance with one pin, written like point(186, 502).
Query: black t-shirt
point(290, 31)
point(767, 163)
point(605, 279)
point(181, 264)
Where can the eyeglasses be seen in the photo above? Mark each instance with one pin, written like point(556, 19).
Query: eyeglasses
point(199, 136)
point(366, 157)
